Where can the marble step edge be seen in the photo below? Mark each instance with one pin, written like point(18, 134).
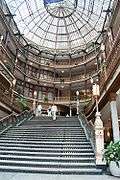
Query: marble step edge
point(66, 153)
point(36, 138)
point(22, 145)
point(44, 142)
point(48, 164)
point(31, 158)
point(22, 148)
point(92, 171)
point(45, 127)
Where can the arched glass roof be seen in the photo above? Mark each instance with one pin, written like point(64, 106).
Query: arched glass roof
point(59, 25)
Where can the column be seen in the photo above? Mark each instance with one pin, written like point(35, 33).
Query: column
point(110, 37)
point(34, 101)
point(12, 92)
point(58, 94)
point(99, 139)
point(34, 106)
point(55, 63)
point(70, 99)
point(103, 56)
point(114, 116)
point(77, 103)
point(99, 129)
point(77, 106)
point(70, 111)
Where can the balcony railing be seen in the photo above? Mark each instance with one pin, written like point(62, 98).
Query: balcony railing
point(77, 78)
point(113, 61)
point(79, 62)
point(6, 73)
point(7, 99)
point(72, 99)
point(62, 80)
point(4, 49)
point(66, 100)
point(60, 65)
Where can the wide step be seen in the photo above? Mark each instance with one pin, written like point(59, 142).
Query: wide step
point(42, 145)
point(92, 171)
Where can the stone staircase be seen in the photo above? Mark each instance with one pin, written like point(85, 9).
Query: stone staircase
point(42, 145)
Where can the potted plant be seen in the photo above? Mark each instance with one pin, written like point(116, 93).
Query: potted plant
point(45, 99)
point(23, 103)
point(112, 157)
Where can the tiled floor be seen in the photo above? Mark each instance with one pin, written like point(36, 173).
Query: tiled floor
point(28, 176)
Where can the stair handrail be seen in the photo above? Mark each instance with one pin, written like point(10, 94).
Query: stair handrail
point(88, 128)
point(13, 119)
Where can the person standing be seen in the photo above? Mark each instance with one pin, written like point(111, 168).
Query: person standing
point(39, 110)
point(49, 111)
point(54, 111)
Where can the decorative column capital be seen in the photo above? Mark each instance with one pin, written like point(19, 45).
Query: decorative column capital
point(112, 97)
point(98, 122)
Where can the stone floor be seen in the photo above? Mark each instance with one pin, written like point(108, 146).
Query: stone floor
point(28, 176)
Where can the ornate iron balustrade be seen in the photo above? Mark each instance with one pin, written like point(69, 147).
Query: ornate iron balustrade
point(12, 120)
point(89, 129)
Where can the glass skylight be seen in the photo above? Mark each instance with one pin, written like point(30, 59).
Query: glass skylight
point(59, 25)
